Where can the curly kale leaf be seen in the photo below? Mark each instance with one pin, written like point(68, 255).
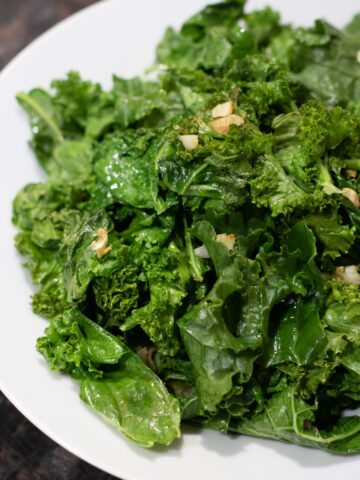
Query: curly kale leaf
point(335, 237)
point(300, 337)
point(126, 164)
point(263, 24)
point(113, 380)
point(213, 350)
point(233, 318)
point(135, 100)
point(342, 314)
point(323, 59)
point(206, 40)
point(271, 187)
point(157, 318)
point(248, 336)
point(45, 215)
point(116, 296)
point(44, 121)
point(82, 262)
point(288, 418)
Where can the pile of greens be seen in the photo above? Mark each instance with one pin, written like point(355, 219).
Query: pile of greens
point(200, 274)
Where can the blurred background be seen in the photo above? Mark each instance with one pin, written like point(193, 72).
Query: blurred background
point(25, 453)
point(23, 20)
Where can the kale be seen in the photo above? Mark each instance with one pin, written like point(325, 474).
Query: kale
point(196, 241)
point(113, 379)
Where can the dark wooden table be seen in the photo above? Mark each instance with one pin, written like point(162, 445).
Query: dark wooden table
point(25, 452)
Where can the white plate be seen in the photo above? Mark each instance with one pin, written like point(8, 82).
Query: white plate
point(118, 36)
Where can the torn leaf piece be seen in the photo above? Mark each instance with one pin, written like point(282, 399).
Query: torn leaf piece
point(349, 275)
point(222, 125)
point(351, 195)
point(100, 245)
point(227, 240)
point(222, 110)
point(189, 141)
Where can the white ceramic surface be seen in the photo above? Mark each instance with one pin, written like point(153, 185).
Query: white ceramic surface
point(118, 36)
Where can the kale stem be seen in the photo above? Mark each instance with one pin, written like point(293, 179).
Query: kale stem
point(193, 259)
point(194, 174)
point(26, 99)
point(326, 181)
point(353, 163)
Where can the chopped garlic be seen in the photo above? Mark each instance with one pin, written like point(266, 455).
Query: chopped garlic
point(227, 240)
point(100, 245)
point(222, 110)
point(242, 24)
point(222, 125)
point(202, 252)
point(350, 194)
point(352, 173)
point(349, 275)
point(189, 141)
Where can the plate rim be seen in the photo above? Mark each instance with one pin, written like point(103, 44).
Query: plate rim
point(22, 408)
point(9, 396)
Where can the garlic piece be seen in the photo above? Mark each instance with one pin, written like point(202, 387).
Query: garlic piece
point(349, 275)
point(350, 194)
point(100, 244)
point(242, 24)
point(352, 173)
point(201, 252)
point(222, 125)
point(227, 240)
point(222, 110)
point(358, 56)
point(189, 141)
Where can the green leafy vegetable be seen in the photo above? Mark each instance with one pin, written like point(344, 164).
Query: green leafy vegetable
point(128, 394)
point(196, 243)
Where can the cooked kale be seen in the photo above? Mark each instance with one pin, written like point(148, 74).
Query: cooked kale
point(196, 242)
